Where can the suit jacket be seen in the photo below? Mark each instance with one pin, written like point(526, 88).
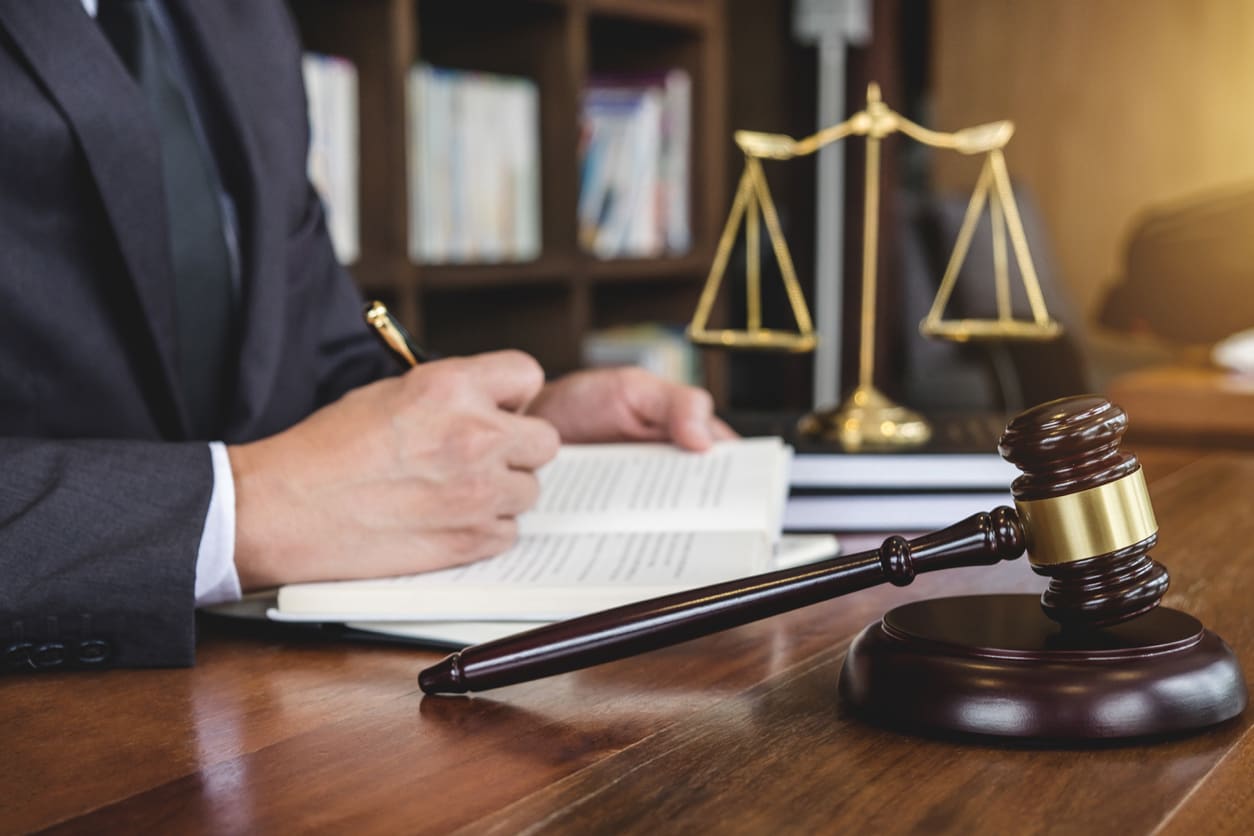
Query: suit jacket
point(103, 495)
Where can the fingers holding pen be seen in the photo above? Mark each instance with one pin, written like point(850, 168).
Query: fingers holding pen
point(479, 400)
point(407, 474)
point(507, 380)
point(462, 437)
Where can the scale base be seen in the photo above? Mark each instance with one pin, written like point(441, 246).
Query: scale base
point(995, 665)
point(868, 420)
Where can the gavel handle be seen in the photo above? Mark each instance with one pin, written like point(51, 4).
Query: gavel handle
point(592, 639)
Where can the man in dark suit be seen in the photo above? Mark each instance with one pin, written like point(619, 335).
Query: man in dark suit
point(189, 403)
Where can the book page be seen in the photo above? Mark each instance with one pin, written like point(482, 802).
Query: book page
point(543, 577)
point(615, 523)
point(737, 485)
point(791, 550)
point(611, 558)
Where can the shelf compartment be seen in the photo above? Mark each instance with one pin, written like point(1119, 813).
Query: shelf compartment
point(375, 274)
point(642, 300)
point(693, 14)
point(550, 269)
point(693, 266)
point(544, 306)
point(614, 51)
point(536, 319)
point(529, 39)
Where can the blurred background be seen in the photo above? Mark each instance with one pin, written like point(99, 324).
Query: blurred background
point(554, 175)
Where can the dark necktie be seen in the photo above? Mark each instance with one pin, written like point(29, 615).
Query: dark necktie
point(203, 287)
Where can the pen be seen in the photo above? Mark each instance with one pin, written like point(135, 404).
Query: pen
point(393, 335)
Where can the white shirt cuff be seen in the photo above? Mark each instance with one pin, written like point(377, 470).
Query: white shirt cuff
point(216, 578)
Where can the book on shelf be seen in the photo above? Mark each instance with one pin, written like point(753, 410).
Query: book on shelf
point(661, 349)
point(473, 156)
point(635, 165)
point(615, 523)
point(331, 92)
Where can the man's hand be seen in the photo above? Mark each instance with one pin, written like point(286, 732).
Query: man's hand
point(414, 473)
point(629, 404)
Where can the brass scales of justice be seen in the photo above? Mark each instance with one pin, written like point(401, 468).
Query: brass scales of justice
point(867, 419)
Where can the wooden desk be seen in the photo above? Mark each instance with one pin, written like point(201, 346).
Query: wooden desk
point(1193, 404)
point(734, 733)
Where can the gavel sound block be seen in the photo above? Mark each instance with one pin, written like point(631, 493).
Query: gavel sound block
point(1094, 657)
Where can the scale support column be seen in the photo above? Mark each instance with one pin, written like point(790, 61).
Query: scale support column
point(834, 26)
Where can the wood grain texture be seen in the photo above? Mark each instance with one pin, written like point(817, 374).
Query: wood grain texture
point(735, 732)
point(1160, 461)
point(1224, 803)
point(1192, 403)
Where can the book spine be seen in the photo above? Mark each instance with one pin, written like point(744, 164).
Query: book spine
point(634, 165)
point(474, 166)
point(331, 92)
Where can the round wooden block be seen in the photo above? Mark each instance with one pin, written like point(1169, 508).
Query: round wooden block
point(995, 665)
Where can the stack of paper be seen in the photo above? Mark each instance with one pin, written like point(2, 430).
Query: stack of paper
point(957, 473)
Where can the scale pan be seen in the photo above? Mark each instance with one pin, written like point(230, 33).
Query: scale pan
point(763, 339)
point(988, 330)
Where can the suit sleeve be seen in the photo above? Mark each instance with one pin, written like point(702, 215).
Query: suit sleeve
point(98, 544)
point(348, 354)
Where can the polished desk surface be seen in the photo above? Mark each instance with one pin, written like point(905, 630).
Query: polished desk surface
point(738, 732)
point(1195, 404)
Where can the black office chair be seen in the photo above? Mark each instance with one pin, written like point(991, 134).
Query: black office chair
point(1189, 270)
point(1004, 376)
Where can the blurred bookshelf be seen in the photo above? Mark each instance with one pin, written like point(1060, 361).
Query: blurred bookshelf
point(551, 303)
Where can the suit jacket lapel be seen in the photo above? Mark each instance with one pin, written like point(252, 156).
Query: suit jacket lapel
point(261, 237)
point(103, 106)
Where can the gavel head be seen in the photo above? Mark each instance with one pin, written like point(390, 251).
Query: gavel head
point(1085, 511)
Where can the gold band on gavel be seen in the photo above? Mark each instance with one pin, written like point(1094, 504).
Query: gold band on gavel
point(1064, 529)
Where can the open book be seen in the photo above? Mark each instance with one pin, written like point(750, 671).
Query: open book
point(615, 523)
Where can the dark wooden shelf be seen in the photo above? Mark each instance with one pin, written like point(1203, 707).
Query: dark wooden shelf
point(546, 306)
point(547, 269)
point(556, 268)
point(688, 13)
point(692, 266)
point(375, 274)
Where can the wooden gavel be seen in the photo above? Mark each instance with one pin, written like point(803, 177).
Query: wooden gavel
point(1082, 513)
